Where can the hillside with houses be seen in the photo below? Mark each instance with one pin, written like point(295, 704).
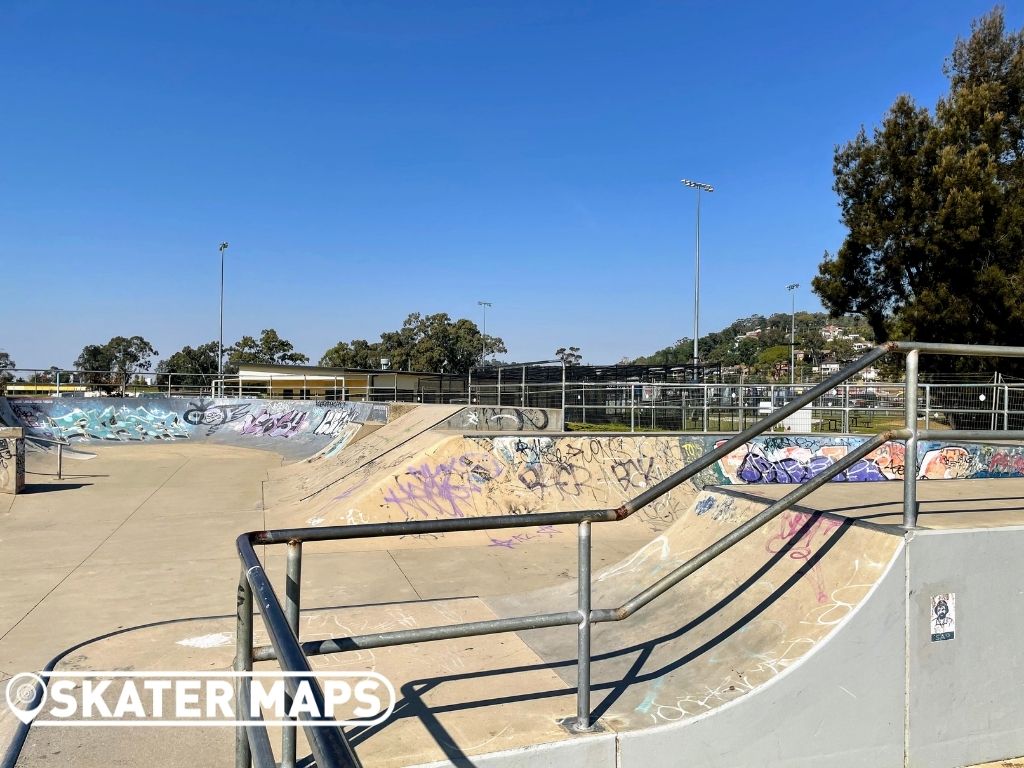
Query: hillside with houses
point(759, 346)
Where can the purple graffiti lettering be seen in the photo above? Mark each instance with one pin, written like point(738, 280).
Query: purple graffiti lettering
point(441, 490)
point(266, 424)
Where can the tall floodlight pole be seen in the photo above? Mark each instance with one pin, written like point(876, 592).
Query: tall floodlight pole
point(792, 330)
point(483, 334)
point(700, 187)
point(220, 340)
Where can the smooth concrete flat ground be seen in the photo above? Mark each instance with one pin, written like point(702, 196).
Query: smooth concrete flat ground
point(145, 533)
point(945, 504)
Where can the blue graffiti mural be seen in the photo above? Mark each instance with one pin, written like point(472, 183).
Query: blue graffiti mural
point(106, 423)
point(758, 468)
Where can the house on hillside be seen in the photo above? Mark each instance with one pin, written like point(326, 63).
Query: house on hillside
point(831, 332)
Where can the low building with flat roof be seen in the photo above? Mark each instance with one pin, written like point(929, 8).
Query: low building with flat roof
point(285, 382)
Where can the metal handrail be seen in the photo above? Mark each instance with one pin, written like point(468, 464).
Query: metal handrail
point(282, 624)
point(60, 443)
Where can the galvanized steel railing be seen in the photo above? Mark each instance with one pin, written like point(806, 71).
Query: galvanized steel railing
point(329, 744)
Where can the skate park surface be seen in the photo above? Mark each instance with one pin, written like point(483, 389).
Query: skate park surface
point(802, 645)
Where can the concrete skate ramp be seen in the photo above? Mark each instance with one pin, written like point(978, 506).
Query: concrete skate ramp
point(414, 470)
point(417, 468)
point(331, 465)
point(293, 428)
point(770, 655)
point(434, 475)
point(747, 617)
point(787, 650)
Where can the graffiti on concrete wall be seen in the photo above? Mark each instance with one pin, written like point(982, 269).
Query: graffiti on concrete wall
point(213, 415)
point(967, 460)
point(116, 423)
point(165, 418)
point(333, 422)
point(34, 420)
point(502, 419)
point(266, 424)
point(8, 447)
point(12, 464)
point(324, 420)
point(796, 459)
point(518, 474)
point(444, 489)
point(528, 474)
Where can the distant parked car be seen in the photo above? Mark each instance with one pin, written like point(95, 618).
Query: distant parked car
point(864, 400)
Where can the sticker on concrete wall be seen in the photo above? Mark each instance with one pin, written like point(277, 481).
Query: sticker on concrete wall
point(943, 618)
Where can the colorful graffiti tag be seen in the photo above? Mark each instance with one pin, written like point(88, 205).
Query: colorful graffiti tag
point(214, 415)
point(771, 459)
point(442, 490)
point(797, 460)
point(168, 418)
point(121, 424)
point(524, 474)
point(267, 424)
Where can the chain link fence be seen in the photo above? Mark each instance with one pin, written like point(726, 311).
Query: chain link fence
point(866, 407)
point(849, 408)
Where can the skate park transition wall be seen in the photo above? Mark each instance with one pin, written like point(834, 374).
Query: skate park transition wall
point(294, 428)
point(299, 428)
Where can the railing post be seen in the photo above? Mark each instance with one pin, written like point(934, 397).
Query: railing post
point(742, 419)
point(632, 408)
point(1006, 407)
point(583, 632)
point(993, 418)
point(655, 394)
point(563, 395)
point(927, 405)
point(910, 507)
point(846, 408)
point(705, 407)
point(60, 461)
point(292, 602)
point(243, 663)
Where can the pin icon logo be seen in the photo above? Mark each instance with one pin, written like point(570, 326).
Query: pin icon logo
point(22, 690)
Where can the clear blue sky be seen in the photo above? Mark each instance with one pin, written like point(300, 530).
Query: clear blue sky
point(366, 160)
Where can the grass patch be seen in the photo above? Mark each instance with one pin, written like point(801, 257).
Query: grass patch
point(615, 426)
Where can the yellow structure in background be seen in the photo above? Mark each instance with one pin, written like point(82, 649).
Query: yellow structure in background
point(31, 389)
point(286, 382)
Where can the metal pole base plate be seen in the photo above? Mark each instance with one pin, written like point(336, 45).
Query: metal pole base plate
point(570, 724)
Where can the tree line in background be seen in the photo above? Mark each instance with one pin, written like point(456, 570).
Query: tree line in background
point(113, 366)
point(433, 343)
